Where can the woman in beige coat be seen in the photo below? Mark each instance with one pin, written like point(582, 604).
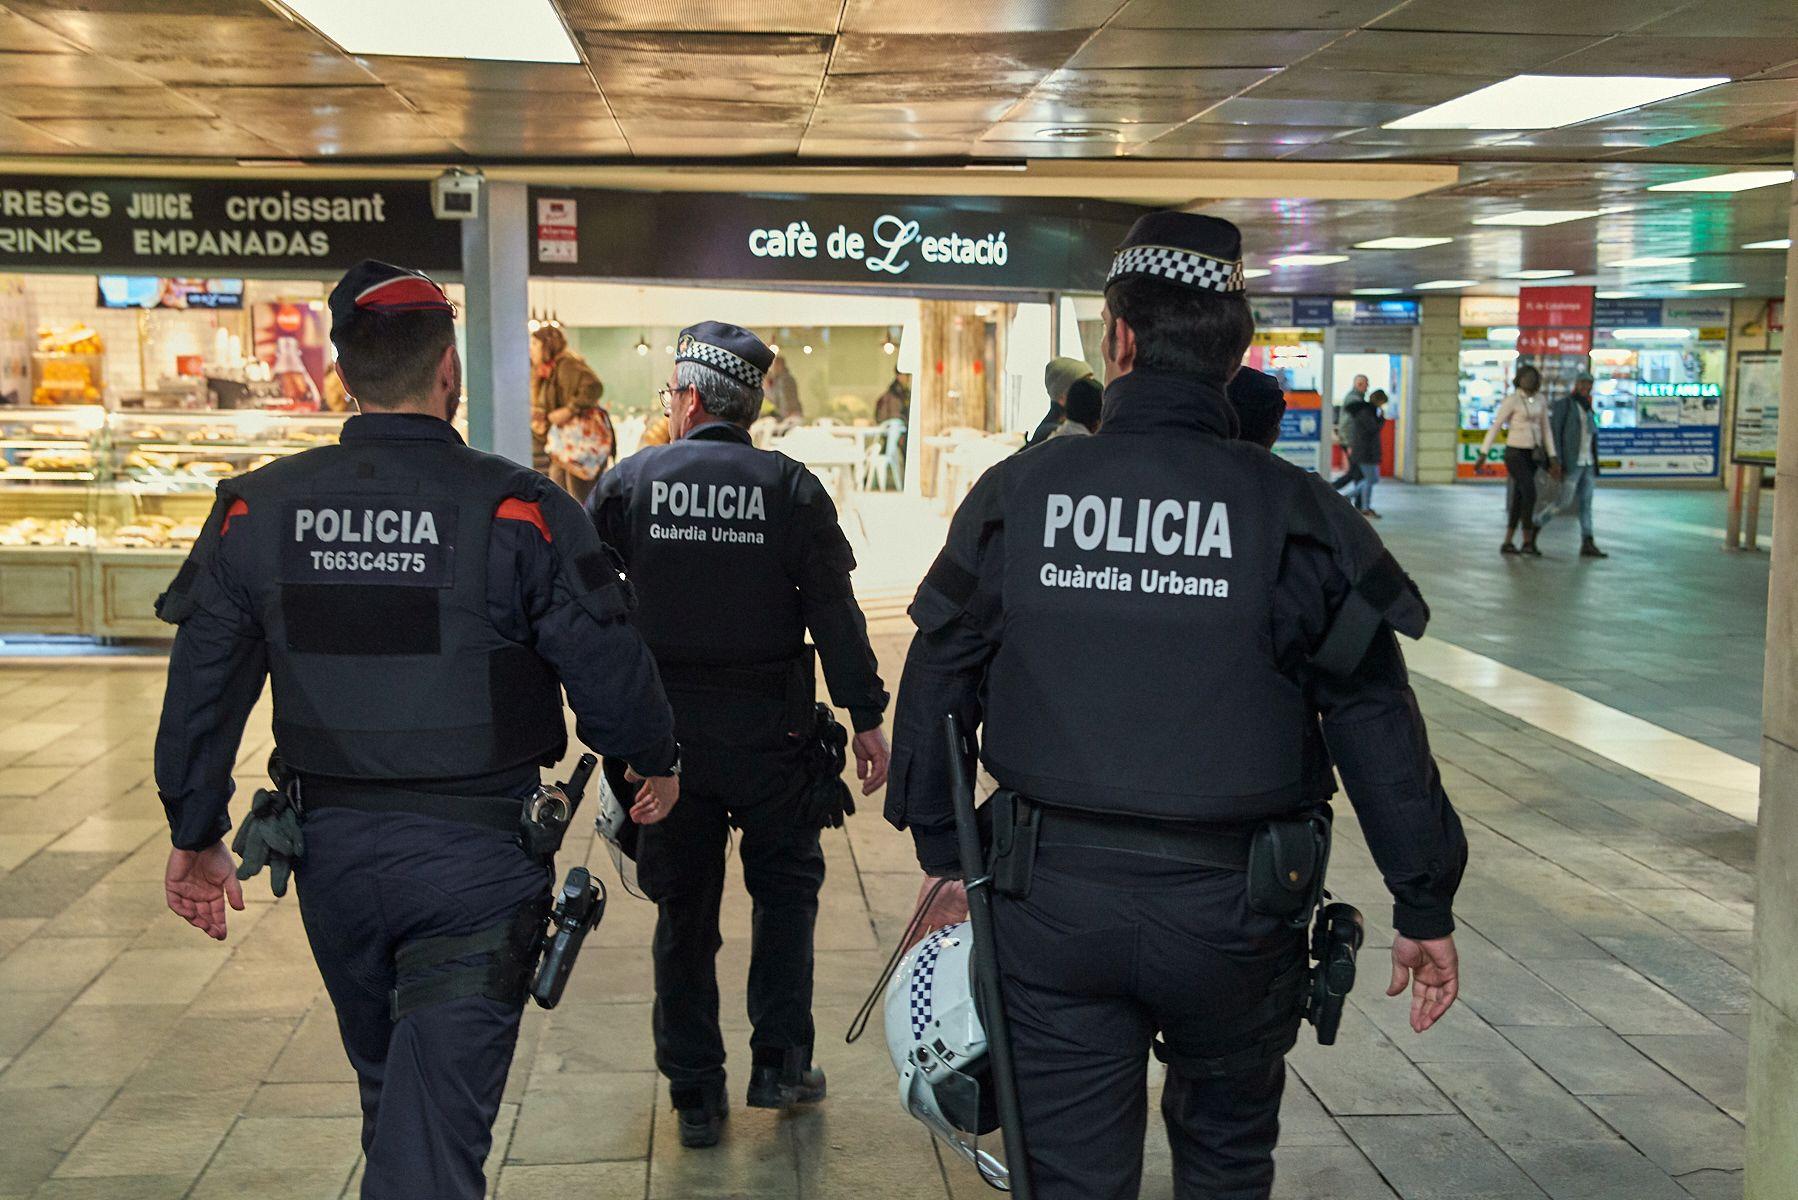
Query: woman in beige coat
point(563, 387)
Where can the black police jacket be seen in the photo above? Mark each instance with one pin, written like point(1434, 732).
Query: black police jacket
point(1148, 621)
point(735, 553)
point(413, 602)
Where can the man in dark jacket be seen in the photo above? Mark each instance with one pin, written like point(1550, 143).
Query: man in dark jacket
point(1362, 421)
point(1575, 434)
point(1058, 377)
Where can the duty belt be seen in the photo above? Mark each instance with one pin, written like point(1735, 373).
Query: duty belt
point(492, 812)
point(1200, 845)
point(767, 682)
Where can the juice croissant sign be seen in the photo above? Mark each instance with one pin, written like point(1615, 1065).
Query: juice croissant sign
point(203, 226)
point(984, 243)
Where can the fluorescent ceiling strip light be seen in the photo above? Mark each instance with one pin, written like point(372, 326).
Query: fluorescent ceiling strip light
point(1255, 272)
point(1308, 260)
point(1651, 334)
point(1650, 260)
point(1710, 287)
point(1734, 181)
point(1544, 273)
point(504, 30)
point(1615, 295)
point(1775, 244)
point(1443, 284)
point(1377, 292)
point(1402, 243)
point(1538, 216)
point(1551, 101)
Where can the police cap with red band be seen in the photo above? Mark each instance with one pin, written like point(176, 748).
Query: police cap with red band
point(372, 286)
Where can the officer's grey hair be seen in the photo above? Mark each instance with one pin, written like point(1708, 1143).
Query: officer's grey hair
point(723, 397)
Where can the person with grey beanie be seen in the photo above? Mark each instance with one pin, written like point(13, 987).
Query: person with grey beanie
point(1058, 377)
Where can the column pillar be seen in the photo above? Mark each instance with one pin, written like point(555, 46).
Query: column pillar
point(1438, 388)
point(496, 279)
point(1773, 1026)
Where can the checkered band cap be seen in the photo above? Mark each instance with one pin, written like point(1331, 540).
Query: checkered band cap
point(1187, 268)
point(923, 983)
point(691, 349)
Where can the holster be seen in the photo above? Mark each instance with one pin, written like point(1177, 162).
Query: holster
point(1288, 859)
point(1011, 855)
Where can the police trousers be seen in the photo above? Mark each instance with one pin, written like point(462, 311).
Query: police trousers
point(680, 865)
point(431, 1081)
point(1108, 950)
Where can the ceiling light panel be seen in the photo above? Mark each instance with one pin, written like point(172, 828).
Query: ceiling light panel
point(1734, 181)
point(1650, 261)
point(1708, 287)
point(1775, 244)
point(1551, 101)
point(505, 30)
point(1255, 272)
point(1542, 273)
point(1307, 260)
point(1377, 292)
point(1402, 243)
point(1438, 285)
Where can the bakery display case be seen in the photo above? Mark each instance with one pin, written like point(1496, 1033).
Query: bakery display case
point(98, 509)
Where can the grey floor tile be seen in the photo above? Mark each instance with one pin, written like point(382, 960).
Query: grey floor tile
point(1681, 966)
point(41, 1124)
point(1609, 1170)
point(1439, 1158)
point(154, 1135)
point(561, 1182)
point(91, 1046)
point(1327, 1173)
point(1621, 998)
point(1591, 1061)
point(1515, 1104)
point(1713, 1185)
point(1715, 1065)
point(1364, 1073)
point(585, 1118)
point(1679, 1131)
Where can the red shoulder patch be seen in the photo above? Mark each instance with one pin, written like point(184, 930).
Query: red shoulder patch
point(238, 509)
point(514, 509)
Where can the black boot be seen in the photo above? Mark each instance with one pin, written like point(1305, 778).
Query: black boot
point(774, 1087)
point(1589, 549)
point(702, 1112)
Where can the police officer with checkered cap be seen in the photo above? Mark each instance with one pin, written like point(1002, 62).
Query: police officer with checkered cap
point(419, 607)
point(736, 555)
point(1143, 625)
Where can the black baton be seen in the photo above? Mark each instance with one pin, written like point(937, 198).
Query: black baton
point(988, 994)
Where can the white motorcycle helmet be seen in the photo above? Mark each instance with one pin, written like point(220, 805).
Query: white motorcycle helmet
point(611, 822)
point(939, 1048)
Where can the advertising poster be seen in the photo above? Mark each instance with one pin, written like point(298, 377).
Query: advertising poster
point(1757, 408)
point(290, 337)
point(1300, 428)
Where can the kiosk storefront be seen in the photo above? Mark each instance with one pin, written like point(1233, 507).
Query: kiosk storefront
point(1660, 368)
point(1290, 335)
point(156, 336)
point(1488, 363)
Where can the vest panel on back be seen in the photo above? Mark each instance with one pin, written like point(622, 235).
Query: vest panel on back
point(1136, 670)
point(371, 584)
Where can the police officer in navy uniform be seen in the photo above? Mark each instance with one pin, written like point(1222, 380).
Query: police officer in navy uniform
point(415, 604)
point(735, 553)
point(1225, 602)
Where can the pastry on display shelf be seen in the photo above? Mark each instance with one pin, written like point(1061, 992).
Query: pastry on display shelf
point(58, 460)
point(141, 537)
point(30, 531)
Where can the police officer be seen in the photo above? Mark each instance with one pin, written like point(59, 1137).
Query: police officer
point(735, 553)
point(1225, 599)
point(415, 604)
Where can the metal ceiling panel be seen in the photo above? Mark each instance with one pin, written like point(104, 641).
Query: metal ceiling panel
point(1398, 86)
point(16, 137)
point(1595, 17)
point(355, 135)
point(1030, 131)
point(720, 114)
point(66, 71)
point(1249, 14)
point(451, 74)
point(1488, 55)
point(19, 34)
point(253, 103)
point(1020, 150)
point(1209, 133)
point(645, 144)
point(978, 16)
point(922, 89)
point(1732, 56)
point(99, 102)
point(815, 146)
point(174, 136)
point(125, 34)
point(900, 121)
point(1072, 97)
point(1744, 18)
point(1255, 109)
point(739, 16)
point(778, 69)
point(490, 111)
point(1114, 47)
point(972, 56)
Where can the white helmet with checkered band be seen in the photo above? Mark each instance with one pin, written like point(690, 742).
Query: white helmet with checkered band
point(939, 1047)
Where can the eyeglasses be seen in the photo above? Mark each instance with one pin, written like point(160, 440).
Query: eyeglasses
point(668, 394)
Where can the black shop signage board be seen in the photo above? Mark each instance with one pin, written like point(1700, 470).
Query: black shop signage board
point(214, 226)
point(980, 243)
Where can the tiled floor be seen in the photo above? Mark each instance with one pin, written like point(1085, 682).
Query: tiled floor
point(1598, 1053)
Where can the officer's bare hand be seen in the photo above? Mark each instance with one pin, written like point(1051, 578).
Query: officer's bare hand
point(1434, 972)
point(871, 755)
point(655, 799)
point(198, 882)
point(949, 908)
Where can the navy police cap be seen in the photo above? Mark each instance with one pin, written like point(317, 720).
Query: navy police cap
point(727, 348)
point(1184, 249)
point(378, 287)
